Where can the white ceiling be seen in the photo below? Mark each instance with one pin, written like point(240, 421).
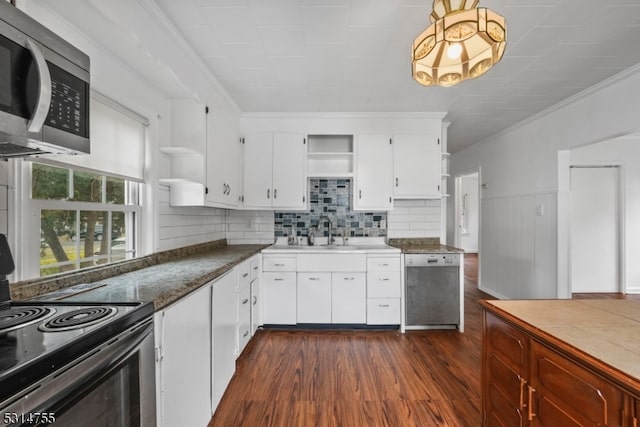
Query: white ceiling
point(354, 56)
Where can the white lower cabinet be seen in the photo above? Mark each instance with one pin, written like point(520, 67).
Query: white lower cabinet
point(314, 298)
point(349, 298)
point(198, 339)
point(278, 289)
point(383, 290)
point(278, 298)
point(332, 288)
point(183, 361)
point(223, 320)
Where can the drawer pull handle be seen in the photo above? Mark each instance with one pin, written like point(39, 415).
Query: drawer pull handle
point(349, 278)
point(383, 265)
point(314, 278)
point(255, 268)
point(384, 279)
point(522, 384)
point(245, 274)
point(245, 334)
point(278, 265)
point(277, 279)
point(255, 300)
point(531, 414)
point(383, 305)
point(244, 301)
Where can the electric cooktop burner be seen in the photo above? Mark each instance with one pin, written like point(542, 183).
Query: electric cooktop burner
point(77, 319)
point(17, 317)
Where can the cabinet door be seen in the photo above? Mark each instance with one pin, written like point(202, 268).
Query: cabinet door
point(224, 334)
point(289, 166)
point(349, 298)
point(417, 166)
point(258, 151)
point(314, 298)
point(185, 366)
point(234, 168)
point(505, 369)
point(278, 298)
point(563, 393)
point(374, 173)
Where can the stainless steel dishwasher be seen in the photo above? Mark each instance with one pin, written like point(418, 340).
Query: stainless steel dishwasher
point(432, 291)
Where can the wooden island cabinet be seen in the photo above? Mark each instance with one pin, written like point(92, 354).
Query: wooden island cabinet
point(561, 363)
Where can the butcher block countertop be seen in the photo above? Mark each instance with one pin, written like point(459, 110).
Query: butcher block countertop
point(605, 333)
point(161, 278)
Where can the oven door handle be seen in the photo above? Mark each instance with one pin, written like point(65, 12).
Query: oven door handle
point(44, 89)
point(97, 366)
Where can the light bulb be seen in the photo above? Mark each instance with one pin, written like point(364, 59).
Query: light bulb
point(454, 51)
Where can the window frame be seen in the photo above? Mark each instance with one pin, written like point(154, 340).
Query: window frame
point(131, 210)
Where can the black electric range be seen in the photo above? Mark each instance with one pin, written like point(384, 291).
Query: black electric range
point(39, 337)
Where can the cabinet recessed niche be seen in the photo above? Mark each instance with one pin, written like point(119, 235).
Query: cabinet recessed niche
point(330, 156)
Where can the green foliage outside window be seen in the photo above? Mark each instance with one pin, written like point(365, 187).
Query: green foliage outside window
point(101, 233)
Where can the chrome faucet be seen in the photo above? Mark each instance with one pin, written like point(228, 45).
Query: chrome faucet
point(322, 218)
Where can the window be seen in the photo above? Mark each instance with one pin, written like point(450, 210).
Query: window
point(86, 218)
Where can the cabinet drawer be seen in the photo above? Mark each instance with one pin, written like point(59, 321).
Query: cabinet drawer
point(244, 303)
point(254, 266)
point(383, 263)
point(244, 334)
point(244, 274)
point(383, 311)
point(383, 284)
point(279, 264)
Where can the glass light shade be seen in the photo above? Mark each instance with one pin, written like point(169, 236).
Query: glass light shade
point(481, 33)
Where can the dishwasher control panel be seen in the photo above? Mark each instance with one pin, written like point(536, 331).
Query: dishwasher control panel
point(431, 260)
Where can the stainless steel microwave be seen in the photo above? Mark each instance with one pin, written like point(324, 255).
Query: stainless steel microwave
point(44, 89)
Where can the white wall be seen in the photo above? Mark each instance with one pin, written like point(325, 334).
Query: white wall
point(522, 253)
point(626, 153)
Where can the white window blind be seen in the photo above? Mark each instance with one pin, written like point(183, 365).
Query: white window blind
point(117, 142)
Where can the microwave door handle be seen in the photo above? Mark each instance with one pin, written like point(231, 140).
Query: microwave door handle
point(44, 90)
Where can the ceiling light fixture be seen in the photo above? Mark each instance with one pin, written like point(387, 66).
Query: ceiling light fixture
point(462, 42)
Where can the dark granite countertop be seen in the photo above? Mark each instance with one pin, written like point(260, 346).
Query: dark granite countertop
point(160, 278)
point(423, 246)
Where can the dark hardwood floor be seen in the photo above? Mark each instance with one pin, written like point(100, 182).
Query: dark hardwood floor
point(361, 377)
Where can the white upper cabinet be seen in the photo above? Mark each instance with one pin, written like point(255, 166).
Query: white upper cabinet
point(274, 171)
point(373, 173)
point(417, 166)
point(224, 162)
point(205, 157)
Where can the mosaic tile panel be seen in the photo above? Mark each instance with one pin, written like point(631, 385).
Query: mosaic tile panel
point(331, 197)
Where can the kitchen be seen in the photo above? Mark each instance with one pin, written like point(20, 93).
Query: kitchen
point(141, 60)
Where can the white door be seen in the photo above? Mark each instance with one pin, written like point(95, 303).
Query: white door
point(467, 212)
point(594, 228)
point(258, 150)
point(289, 181)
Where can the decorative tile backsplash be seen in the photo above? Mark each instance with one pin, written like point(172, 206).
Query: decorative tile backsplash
point(331, 197)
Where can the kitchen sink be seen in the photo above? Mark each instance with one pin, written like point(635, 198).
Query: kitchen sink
point(332, 248)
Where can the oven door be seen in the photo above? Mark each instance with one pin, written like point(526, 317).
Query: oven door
point(113, 385)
